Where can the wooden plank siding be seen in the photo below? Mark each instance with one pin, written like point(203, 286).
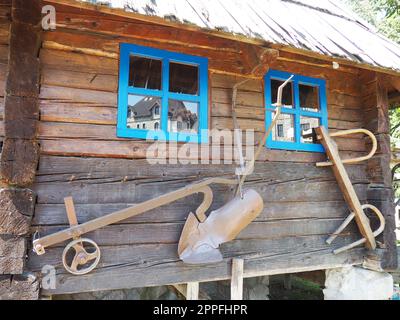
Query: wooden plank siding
point(82, 157)
point(5, 20)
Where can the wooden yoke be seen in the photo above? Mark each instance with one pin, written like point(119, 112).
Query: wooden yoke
point(345, 185)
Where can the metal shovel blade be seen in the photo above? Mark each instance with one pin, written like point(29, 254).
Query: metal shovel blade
point(199, 242)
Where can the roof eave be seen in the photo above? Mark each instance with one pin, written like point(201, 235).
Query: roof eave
point(222, 34)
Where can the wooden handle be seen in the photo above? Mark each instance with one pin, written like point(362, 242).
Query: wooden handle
point(353, 160)
point(69, 206)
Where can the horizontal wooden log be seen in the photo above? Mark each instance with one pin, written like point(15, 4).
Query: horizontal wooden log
point(21, 117)
point(4, 51)
point(24, 47)
point(26, 12)
point(53, 214)
point(16, 210)
point(53, 130)
point(5, 33)
point(134, 191)
point(71, 95)
point(142, 266)
point(138, 150)
point(19, 287)
point(78, 113)
point(18, 162)
point(378, 170)
point(224, 81)
point(170, 232)
point(62, 60)
point(79, 80)
point(66, 169)
point(12, 255)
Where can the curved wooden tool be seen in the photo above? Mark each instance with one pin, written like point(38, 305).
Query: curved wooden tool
point(343, 179)
point(348, 220)
point(353, 160)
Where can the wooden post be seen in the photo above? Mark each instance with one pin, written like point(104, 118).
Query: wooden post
point(380, 192)
point(192, 291)
point(237, 279)
point(20, 152)
point(287, 281)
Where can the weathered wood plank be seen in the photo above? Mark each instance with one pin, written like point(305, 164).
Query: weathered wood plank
point(142, 266)
point(53, 214)
point(59, 169)
point(137, 149)
point(62, 60)
point(16, 211)
point(135, 191)
point(52, 130)
point(170, 232)
point(79, 80)
point(84, 113)
point(18, 162)
point(21, 116)
point(24, 48)
point(12, 254)
point(72, 95)
point(237, 279)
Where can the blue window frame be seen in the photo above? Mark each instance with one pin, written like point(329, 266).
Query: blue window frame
point(129, 92)
point(297, 115)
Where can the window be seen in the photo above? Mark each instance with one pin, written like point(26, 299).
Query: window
point(162, 91)
point(304, 107)
point(279, 128)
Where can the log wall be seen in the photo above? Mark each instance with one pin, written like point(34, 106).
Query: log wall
point(5, 20)
point(82, 157)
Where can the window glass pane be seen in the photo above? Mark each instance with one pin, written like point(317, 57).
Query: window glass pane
point(183, 116)
point(145, 73)
point(306, 124)
point(284, 128)
point(309, 97)
point(144, 112)
point(287, 94)
point(183, 78)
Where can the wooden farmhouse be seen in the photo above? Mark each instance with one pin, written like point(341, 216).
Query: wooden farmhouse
point(84, 85)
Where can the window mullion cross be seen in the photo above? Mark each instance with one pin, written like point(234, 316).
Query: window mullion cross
point(165, 98)
point(297, 127)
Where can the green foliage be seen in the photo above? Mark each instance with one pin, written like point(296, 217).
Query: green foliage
point(383, 14)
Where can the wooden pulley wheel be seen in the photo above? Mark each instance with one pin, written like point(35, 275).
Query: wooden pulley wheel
point(85, 256)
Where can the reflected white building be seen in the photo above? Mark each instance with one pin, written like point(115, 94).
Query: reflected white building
point(146, 114)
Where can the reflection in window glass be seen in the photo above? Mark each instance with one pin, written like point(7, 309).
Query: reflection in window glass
point(143, 112)
point(287, 94)
point(183, 116)
point(279, 128)
point(284, 128)
point(145, 73)
point(183, 78)
point(307, 124)
point(309, 97)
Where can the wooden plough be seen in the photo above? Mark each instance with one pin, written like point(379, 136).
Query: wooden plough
point(347, 188)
